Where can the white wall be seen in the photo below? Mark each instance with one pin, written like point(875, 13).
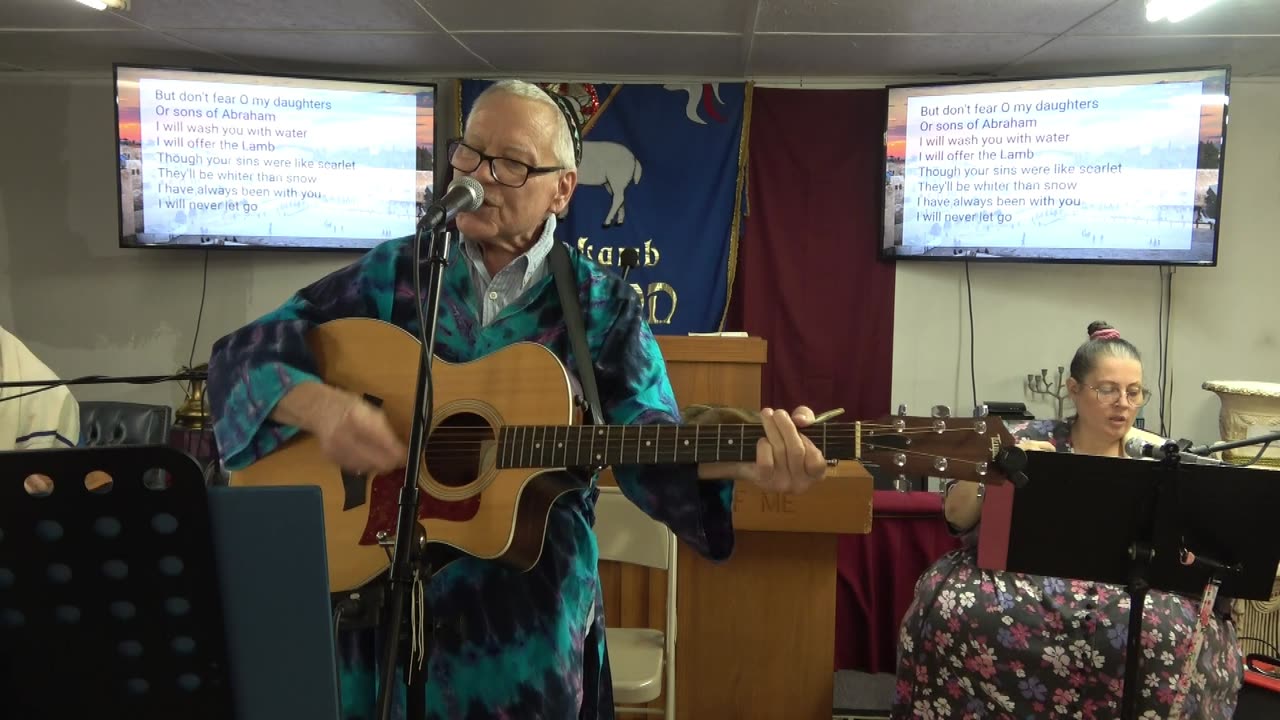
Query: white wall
point(66, 288)
point(1225, 324)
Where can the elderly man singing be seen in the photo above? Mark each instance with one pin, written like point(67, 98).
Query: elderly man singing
point(506, 644)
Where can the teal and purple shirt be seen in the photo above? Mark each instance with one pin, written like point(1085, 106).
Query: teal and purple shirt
point(505, 644)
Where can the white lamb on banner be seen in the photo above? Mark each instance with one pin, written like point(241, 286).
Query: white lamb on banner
point(613, 166)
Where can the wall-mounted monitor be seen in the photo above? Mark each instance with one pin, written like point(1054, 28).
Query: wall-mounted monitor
point(1119, 169)
point(228, 160)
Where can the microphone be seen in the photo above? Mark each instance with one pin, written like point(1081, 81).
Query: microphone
point(629, 260)
point(1136, 447)
point(465, 194)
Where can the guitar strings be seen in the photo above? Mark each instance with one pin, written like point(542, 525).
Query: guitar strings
point(453, 457)
point(467, 462)
point(850, 425)
point(456, 446)
point(743, 430)
point(454, 435)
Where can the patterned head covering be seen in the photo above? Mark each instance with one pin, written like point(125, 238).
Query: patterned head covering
point(570, 119)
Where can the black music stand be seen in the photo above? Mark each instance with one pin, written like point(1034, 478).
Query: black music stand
point(1127, 522)
point(109, 599)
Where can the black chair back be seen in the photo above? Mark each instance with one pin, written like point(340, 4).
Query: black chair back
point(122, 423)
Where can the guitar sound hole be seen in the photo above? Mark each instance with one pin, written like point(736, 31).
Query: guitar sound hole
point(453, 449)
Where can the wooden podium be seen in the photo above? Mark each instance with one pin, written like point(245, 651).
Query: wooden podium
point(756, 634)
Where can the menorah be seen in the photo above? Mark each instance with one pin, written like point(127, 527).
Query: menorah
point(1041, 385)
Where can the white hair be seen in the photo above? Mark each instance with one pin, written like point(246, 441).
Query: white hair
point(562, 143)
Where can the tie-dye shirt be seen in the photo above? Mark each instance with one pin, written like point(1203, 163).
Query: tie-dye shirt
point(504, 644)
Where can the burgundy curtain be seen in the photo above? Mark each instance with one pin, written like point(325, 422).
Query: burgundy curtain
point(878, 574)
point(809, 282)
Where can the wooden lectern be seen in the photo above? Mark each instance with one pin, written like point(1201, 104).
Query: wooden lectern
point(756, 634)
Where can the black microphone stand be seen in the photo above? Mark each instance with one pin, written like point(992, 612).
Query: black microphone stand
point(45, 385)
point(1142, 555)
point(1215, 447)
point(107, 380)
point(410, 535)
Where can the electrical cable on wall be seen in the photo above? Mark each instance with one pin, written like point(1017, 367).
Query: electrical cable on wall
point(1164, 360)
point(1164, 377)
point(195, 339)
point(1159, 345)
point(204, 287)
point(973, 371)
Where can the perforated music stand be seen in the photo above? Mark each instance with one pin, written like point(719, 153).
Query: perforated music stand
point(109, 602)
point(1126, 522)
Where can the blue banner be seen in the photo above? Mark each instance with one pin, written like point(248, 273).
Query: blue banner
point(661, 173)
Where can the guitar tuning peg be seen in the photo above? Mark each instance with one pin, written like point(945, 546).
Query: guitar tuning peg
point(941, 411)
point(981, 411)
point(902, 410)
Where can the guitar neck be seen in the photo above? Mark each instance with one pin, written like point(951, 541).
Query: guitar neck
point(540, 446)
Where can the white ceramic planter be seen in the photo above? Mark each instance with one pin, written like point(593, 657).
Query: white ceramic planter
point(1248, 409)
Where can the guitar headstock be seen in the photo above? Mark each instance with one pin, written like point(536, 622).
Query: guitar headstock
point(976, 449)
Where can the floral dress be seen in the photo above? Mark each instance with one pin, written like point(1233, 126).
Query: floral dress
point(981, 644)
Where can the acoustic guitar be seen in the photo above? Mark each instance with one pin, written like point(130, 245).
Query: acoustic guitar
point(504, 425)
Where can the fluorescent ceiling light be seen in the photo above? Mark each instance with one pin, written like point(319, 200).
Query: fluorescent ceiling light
point(1171, 10)
point(105, 4)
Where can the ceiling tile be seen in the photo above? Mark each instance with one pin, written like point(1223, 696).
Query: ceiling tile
point(850, 56)
point(649, 15)
point(1071, 54)
point(96, 51)
point(604, 55)
point(343, 53)
point(1226, 17)
point(282, 14)
point(338, 53)
point(57, 15)
point(1046, 17)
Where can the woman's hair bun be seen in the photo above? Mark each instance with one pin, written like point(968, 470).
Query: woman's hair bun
point(1098, 325)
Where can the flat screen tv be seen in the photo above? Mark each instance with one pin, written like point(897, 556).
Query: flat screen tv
point(1122, 168)
point(228, 160)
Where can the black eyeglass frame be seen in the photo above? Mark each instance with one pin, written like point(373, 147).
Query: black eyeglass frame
point(530, 170)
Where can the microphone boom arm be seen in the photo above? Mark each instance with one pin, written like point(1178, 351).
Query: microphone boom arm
point(107, 380)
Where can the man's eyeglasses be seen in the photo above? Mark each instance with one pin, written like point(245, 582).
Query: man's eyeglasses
point(506, 171)
point(1109, 394)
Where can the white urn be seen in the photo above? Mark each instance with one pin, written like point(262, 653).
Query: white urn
point(1249, 409)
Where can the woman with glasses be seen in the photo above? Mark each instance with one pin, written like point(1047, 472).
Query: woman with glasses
point(983, 644)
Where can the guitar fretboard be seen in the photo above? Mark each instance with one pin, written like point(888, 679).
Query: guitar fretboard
point(540, 446)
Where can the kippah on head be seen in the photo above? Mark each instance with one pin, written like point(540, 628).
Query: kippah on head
point(570, 119)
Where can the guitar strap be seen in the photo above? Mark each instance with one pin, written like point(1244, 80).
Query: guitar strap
point(567, 285)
